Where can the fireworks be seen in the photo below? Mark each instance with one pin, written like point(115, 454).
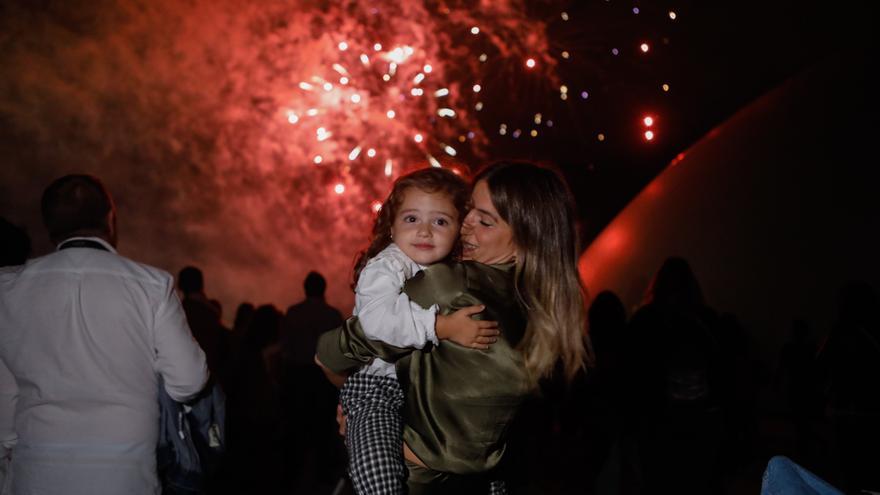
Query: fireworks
point(402, 81)
point(286, 121)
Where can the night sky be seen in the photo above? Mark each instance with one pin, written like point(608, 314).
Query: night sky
point(203, 117)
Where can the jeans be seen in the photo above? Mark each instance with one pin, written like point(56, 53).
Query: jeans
point(784, 477)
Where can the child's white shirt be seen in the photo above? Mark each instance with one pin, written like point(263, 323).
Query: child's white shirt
point(385, 312)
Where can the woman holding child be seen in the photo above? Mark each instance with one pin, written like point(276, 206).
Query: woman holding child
point(517, 278)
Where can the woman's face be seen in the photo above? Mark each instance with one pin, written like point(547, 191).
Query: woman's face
point(485, 237)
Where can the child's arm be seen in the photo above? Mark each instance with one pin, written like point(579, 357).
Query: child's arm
point(461, 328)
point(387, 314)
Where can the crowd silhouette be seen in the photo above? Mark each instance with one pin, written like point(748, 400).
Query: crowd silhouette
point(671, 405)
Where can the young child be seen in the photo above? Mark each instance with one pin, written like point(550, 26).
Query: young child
point(418, 225)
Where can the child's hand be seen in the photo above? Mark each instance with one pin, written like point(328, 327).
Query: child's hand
point(341, 420)
point(460, 328)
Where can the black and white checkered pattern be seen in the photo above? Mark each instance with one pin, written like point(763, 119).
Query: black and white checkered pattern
point(374, 434)
point(497, 487)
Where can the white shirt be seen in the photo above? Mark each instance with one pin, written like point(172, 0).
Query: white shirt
point(385, 312)
point(83, 334)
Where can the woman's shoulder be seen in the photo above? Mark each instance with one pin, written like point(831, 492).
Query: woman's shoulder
point(447, 280)
point(482, 275)
point(464, 274)
point(443, 276)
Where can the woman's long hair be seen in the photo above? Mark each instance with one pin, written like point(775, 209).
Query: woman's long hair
point(430, 180)
point(539, 208)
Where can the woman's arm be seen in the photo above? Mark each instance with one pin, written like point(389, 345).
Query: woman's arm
point(335, 378)
point(345, 348)
point(442, 284)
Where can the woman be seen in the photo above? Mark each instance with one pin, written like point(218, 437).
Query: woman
point(520, 262)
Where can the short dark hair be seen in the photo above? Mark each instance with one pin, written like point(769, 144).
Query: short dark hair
point(190, 280)
point(76, 204)
point(315, 285)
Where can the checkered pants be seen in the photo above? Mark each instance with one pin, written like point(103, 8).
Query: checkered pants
point(374, 436)
point(497, 487)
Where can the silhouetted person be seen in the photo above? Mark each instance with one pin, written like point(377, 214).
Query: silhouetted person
point(255, 423)
point(600, 402)
point(309, 399)
point(219, 307)
point(741, 375)
point(203, 316)
point(84, 332)
point(16, 245)
point(672, 358)
point(243, 317)
point(607, 320)
point(797, 376)
point(850, 362)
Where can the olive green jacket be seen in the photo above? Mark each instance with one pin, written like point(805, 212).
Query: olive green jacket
point(459, 401)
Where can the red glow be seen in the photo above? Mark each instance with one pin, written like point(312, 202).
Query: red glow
point(648, 120)
point(649, 135)
point(339, 189)
point(457, 171)
point(530, 63)
point(678, 158)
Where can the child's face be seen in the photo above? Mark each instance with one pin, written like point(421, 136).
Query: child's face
point(425, 226)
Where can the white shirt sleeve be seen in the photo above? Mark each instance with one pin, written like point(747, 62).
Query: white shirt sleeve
point(179, 359)
point(386, 313)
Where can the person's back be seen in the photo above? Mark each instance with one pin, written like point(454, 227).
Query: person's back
point(672, 367)
point(84, 331)
point(303, 324)
point(203, 317)
point(850, 364)
point(307, 398)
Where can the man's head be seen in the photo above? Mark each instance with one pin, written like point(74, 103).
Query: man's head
point(78, 205)
point(315, 285)
point(190, 280)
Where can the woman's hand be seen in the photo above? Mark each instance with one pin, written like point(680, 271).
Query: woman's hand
point(460, 328)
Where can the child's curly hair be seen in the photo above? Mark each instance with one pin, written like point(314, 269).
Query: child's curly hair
point(429, 180)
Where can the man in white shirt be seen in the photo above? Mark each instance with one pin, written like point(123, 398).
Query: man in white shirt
point(84, 333)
